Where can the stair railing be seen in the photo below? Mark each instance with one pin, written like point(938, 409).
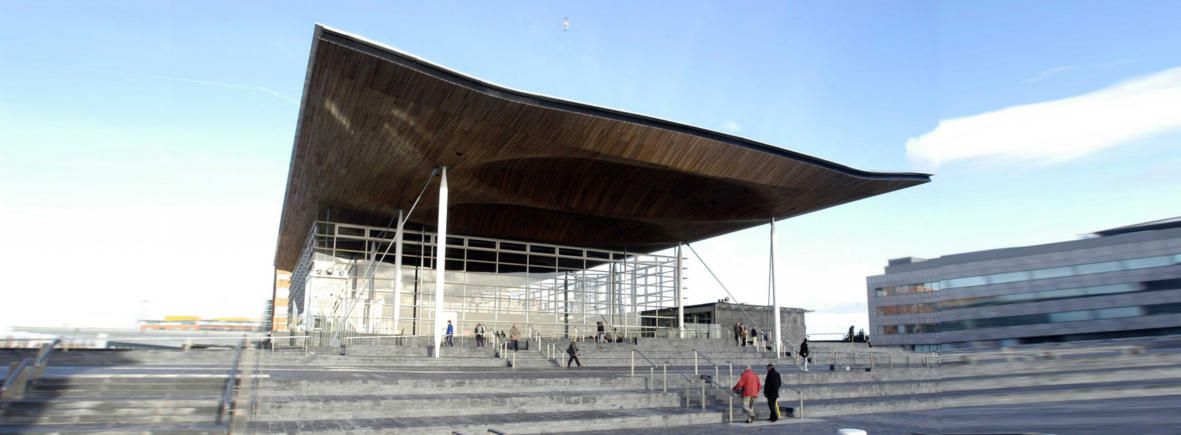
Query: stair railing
point(725, 390)
point(17, 381)
point(799, 394)
point(697, 353)
point(225, 408)
point(651, 370)
point(688, 383)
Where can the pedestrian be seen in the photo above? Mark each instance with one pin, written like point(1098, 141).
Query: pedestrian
point(573, 352)
point(450, 334)
point(479, 335)
point(754, 336)
point(748, 383)
point(737, 333)
point(514, 334)
point(744, 336)
point(804, 352)
point(771, 386)
point(600, 332)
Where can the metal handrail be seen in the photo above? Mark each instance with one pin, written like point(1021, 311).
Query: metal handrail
point(45, 356)
point(716, 369)
point(728, 392)
point(687, 378)
point(645, 357)
point(8, 382)
point(227, 397)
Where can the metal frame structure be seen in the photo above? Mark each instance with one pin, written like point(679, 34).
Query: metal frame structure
point(558, 290)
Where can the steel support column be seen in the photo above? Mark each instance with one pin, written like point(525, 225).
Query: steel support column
point(774, 296)
point(398, 271)
point(679, 278)
point(441, 261)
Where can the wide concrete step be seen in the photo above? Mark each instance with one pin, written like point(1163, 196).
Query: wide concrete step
point(123, 357)
point(419, 351)
point(382, 361)
point(208, 428)
point(790, 406)
point(107, 404)
point(493, 383)
point(533, 423)
point(446, 405)
point(193, 416)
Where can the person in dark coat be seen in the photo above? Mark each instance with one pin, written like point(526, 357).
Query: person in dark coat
point(573, 352)
point(737, 333)
point(804, 352)
point(771, 391)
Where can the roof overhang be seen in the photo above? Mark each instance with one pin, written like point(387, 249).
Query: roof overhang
point(374, 121)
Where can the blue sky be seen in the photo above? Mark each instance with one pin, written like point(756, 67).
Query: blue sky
point(144, 146)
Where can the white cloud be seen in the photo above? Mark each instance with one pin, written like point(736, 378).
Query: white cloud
point(731, 126)
point(1059, 130)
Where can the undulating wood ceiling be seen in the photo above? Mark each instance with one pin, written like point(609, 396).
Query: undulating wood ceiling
point(375, 121)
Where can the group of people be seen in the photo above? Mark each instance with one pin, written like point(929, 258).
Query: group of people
point(744, 336)
point(514, 336)
point(481, 333)
point(748, 386)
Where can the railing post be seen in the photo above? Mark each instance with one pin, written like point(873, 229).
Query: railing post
point(908, 361)
point(665, 370)
point(890, 356)
point(695, 362)
point(801, 394)
point(854, 360)
point(731, 408)
point(731, 373)
point(716, 373)
point(651, 378)
point(871, 361)
point(514, 360)
point(703, 395)
point(633, 362)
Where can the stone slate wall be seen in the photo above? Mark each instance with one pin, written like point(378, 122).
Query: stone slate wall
point(791, 320)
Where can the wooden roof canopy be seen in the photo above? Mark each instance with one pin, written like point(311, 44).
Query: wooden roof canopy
point(374, 121)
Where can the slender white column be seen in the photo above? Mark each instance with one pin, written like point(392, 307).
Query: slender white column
point(774, 298)
point(398, 272)
point(440, 262)
point(680, 299)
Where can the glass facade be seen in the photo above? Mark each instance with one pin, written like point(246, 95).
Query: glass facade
point(547, 289)
point(1035, 319)
point(1027, 275)
point(1039, 296)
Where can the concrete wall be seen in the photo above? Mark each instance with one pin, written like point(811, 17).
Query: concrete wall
point(791, 319)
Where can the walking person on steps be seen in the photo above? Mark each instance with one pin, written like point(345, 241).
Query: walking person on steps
point(804, 352)
point(573, 352)
point(450, 334)
point(514, 334)
point(737, 333)
point(771, 386)
point(479, 335)
point(748, 383)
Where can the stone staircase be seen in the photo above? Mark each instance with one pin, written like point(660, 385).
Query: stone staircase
point(117, 405)
point(383, 388)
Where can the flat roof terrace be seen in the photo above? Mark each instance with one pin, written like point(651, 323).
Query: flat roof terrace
point(374, 121)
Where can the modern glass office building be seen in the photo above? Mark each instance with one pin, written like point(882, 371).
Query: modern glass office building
point(1123, 282)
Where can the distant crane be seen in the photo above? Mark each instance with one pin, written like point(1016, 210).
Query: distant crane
point(565, 24)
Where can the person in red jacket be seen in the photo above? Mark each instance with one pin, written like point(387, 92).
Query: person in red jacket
point(748, 383)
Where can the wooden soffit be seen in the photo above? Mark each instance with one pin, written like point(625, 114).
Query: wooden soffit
point(374, 121)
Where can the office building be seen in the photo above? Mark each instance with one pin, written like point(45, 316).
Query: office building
point(1121, 282)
